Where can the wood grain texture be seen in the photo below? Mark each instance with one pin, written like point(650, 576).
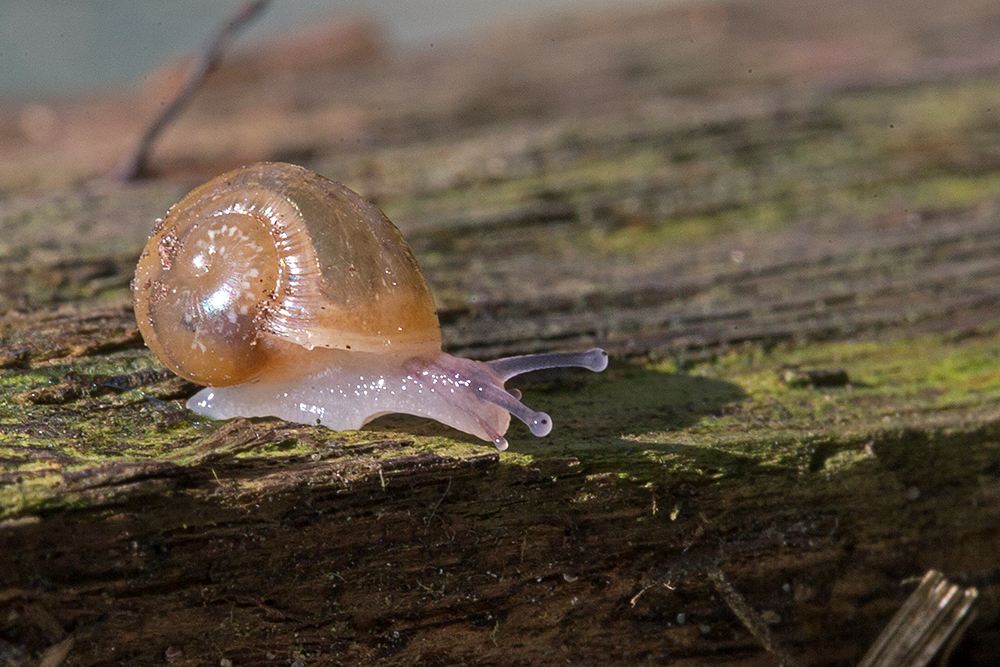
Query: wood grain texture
point(729, 237)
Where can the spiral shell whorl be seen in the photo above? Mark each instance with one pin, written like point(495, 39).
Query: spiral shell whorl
point(270, 258)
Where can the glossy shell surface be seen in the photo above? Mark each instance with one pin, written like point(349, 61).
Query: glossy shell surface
point(270, 259)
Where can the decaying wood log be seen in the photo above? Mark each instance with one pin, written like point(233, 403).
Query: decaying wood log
point(729, 259)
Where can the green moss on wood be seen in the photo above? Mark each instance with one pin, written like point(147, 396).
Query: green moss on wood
point(728, 417)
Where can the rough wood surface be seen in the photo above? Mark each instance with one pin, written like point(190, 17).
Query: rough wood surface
point(795, 272)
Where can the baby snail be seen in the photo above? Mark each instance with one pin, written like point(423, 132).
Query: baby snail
point(288, 295)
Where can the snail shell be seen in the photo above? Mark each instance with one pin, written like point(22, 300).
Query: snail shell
point(290, 296)
point(274, 252)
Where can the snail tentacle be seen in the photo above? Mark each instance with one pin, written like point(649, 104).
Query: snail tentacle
point(594, 359)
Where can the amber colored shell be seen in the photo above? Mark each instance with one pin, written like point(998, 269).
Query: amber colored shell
point(271, 258)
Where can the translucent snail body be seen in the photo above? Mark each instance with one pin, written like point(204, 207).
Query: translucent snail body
point(290, 296)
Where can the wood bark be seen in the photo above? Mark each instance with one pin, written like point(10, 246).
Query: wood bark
point(700, 227)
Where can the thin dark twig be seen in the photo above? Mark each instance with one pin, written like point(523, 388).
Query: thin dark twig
point(750, 618)
point(436, 506)
point(138, 166)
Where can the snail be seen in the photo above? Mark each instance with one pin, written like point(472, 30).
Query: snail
point(288, 295)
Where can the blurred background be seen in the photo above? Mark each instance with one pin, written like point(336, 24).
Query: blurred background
point(316, 81)
point(630, 130)
point(52, 47)
point(626, 130)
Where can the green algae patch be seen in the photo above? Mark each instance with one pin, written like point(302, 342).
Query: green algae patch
point(730, 416)
point(734, 414)
point(26, 496)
